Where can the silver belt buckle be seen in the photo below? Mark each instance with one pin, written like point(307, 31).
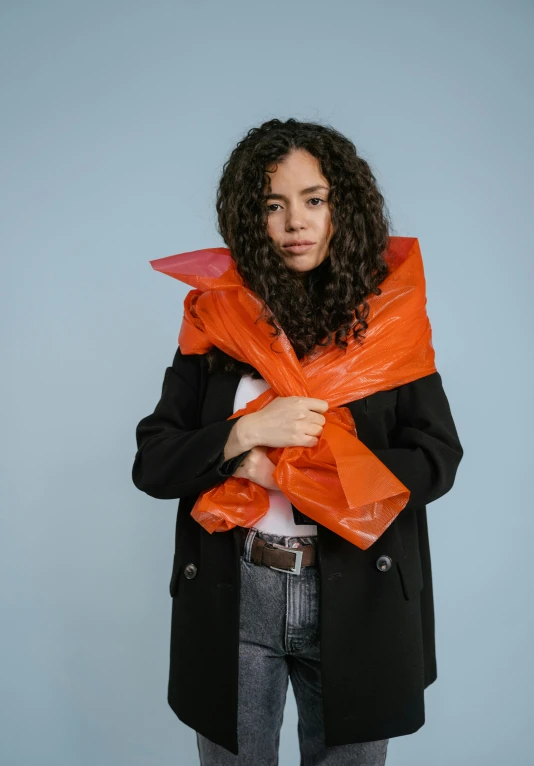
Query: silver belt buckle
point(298, 559)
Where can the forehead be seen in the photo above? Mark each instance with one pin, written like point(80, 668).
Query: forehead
point(298, 170)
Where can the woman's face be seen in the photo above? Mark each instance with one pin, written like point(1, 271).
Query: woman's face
point(298, 210)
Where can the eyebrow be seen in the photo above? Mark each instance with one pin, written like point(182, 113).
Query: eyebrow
point(308, 190)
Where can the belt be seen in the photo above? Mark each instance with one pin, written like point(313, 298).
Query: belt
point(277, 556)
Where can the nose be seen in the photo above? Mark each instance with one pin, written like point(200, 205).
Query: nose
point(294, 220)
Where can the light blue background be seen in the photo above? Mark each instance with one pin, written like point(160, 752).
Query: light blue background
point(117, 118)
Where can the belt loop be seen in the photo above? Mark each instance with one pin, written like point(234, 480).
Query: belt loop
point(247, 552)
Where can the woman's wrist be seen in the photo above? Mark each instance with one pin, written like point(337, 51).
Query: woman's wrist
point(242, 437)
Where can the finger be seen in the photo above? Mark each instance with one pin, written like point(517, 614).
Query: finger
point(317, 405)
point(317, 419)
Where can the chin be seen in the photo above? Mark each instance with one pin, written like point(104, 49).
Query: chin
point(299, 269)
point(301, 263)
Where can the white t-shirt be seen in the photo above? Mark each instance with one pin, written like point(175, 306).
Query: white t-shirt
point(279, 518)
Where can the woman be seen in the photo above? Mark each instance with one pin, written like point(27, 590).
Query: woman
point(288, 598)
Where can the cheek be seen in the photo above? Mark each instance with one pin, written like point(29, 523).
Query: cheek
point(327, 226)
point(271, 228)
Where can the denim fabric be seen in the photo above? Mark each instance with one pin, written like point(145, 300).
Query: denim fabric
point(279, 641)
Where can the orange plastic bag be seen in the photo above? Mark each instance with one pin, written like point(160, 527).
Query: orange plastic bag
point(339, 483)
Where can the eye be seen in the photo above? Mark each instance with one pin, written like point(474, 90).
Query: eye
point(312, 199)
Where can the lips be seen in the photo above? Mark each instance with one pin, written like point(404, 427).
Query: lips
point(301, 247)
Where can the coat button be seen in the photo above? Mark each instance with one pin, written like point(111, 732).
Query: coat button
point(190, 571)
point(383, 563)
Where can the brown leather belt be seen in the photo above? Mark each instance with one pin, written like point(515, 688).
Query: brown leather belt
point(279, 556)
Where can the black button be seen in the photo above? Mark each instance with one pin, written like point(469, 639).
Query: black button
point(383, 563)
point(190, 571)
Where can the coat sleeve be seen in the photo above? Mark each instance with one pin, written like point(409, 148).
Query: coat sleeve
point(174, 456)
point(425, 452)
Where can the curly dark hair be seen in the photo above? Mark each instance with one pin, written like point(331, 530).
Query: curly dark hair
point(330, 300)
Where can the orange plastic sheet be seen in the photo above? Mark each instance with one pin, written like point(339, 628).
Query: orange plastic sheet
point(339, 483)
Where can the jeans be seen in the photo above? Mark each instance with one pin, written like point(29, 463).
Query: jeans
point(278, 642)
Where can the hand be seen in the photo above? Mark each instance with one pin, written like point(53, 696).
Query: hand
point(257, 468)
point(287, 421)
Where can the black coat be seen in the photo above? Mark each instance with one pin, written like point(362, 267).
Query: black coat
point(377, 624)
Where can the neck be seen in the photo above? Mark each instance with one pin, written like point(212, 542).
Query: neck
point(313, 274)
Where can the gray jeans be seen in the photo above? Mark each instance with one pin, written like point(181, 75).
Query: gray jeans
point(279, 641)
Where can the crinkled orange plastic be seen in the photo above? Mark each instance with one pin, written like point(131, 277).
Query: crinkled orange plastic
point(338, 483)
